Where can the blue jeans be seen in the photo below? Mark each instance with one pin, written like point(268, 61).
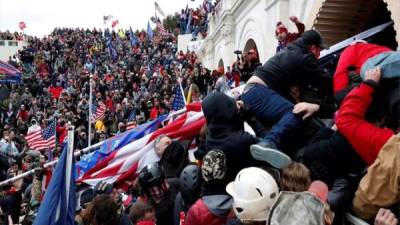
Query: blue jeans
point(271, 108)
point(389, 62)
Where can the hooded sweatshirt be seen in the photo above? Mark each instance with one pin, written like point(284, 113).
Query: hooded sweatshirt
point(226, 132)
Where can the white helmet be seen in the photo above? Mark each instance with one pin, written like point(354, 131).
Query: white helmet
point(254, 191)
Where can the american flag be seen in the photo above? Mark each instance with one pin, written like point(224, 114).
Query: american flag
point(126, 162)
point(179, 100)
point(161, 29)
point(98, 112)
point(43, 138)
point(131, 121)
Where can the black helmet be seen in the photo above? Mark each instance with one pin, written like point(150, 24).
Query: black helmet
point(190, 183)
point(151, 175)
point(103, 188)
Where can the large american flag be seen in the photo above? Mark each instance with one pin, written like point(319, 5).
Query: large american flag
point(98, 112)
point(161, 29)
point(126, 162)
point(43, 138)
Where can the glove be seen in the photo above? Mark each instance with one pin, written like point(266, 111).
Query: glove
point(354, 78)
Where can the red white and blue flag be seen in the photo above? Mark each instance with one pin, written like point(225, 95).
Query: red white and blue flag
point(43, 138)
point(9, 74)
point(126, 162)
point(98, 112)
point(161, 29)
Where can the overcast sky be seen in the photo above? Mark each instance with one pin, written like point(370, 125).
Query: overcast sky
point(41, 16)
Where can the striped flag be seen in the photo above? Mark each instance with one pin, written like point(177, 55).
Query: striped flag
point(130, 159)
point(98, 112)
point(161, 29)
point(43, 138)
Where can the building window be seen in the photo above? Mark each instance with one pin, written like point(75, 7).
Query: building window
point(13, 43)
point(2, 43)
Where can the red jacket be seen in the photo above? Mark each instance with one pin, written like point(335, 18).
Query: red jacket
point(199, 214)
point(154, 112)
point(62, 132)
point(24, 115)
point(365, 137)
point(145, 222)
point(354, 55)
point(55, 91)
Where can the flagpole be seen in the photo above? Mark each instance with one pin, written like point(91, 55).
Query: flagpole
point(90, 110)
point(183, 93)
point(180, 84)
point(70, 158)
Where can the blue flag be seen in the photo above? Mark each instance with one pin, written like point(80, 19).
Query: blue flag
point(111, 49)
point(189, 24)
point(149, 30)
point(58, 205)
point(179, 99)
point(132, 37)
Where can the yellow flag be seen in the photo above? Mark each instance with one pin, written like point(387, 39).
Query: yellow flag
point(189, 96)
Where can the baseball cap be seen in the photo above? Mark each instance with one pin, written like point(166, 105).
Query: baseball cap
point(313, 37)
point(103, 188)
point(320, 189)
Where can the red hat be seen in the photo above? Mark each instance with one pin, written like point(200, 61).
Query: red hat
point(320, 189)
point(280, 28)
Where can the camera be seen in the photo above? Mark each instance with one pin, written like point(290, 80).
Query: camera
point(237, 52)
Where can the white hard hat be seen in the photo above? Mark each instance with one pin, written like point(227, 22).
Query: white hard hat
point(254, 191)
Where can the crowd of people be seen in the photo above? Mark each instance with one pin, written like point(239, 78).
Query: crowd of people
point(321, 146)
point(195, 21)
point(15, 36)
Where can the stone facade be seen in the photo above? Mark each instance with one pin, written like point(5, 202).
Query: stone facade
point(238, 21)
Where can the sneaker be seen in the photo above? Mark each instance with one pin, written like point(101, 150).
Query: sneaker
point(269, 153)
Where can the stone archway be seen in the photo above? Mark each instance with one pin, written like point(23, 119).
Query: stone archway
point(338, 20)
point(251, 36)
point(221, 65)
point(251, 45)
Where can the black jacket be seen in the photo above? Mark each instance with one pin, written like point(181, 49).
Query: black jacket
point(294, 66)
point(226, 132)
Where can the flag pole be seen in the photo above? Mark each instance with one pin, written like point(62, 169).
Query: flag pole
point(180, 83)
point(183, 93)
point(70, 158)
point(90, 110)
